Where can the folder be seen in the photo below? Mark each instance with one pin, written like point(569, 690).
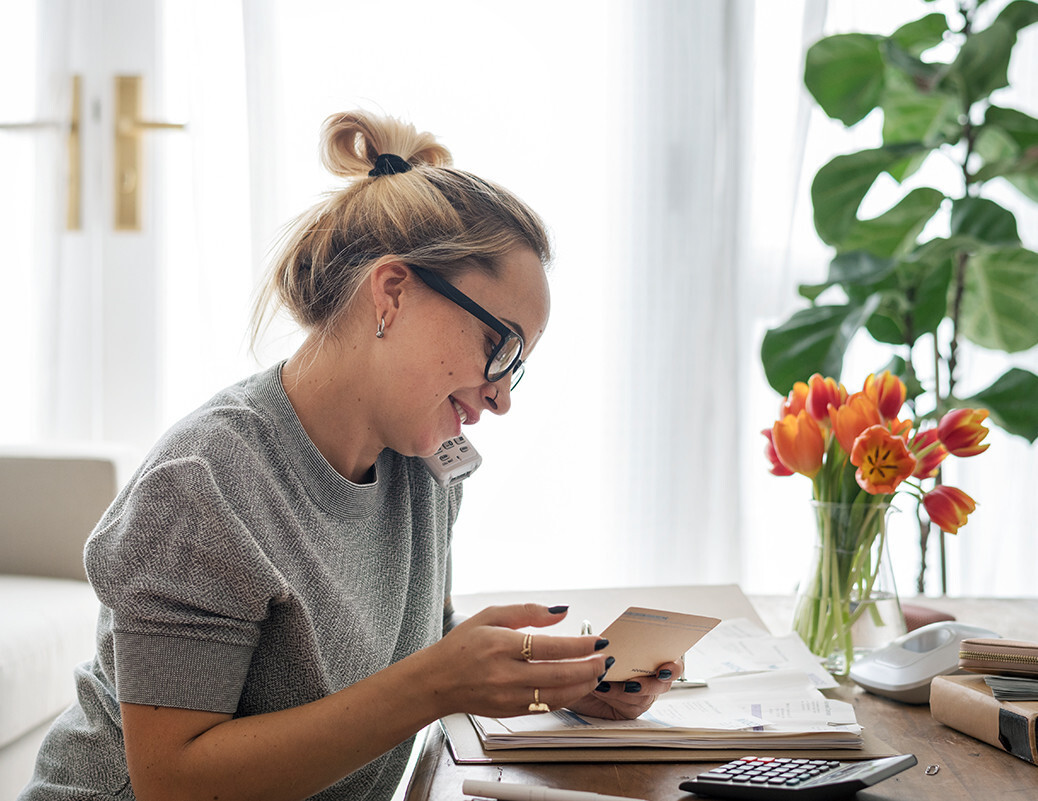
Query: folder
point(965, 703)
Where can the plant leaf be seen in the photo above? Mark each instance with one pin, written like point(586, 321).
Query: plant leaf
point(1018, 15)
point(982, 64)
point(912, 115)
point(916, 37)
point(914, 298)
point(813, 340)
point(983, 220)
point(839, 187)
point(894, 232)
point(1011, 402)
point(844, 74)
point(1008, 144)
point(1000, 299)
point(850, 269)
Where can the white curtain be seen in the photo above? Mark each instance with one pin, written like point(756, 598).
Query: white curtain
point(690, 168)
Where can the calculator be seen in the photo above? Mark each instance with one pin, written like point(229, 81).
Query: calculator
point(761, 778)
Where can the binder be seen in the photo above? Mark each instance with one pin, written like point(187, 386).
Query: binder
point(965, 703)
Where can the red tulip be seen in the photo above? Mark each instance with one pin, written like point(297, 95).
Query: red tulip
point(821, 394)
point(799, 443)
point(853, 417)
point(961, 431)
point(777, 468)
point(888, 392)
point(883, 460)
point(948, 507)
point(929, 453)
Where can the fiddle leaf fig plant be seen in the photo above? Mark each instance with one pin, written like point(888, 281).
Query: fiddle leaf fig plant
point(941, 266)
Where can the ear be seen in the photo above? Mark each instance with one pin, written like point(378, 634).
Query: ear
point(387, 287)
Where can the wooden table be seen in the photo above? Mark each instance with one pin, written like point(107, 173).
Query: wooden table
point(968, 770)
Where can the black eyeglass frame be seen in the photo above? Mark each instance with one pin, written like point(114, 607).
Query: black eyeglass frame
point(452, 293)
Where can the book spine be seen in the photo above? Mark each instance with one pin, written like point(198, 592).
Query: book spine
point(971, 710)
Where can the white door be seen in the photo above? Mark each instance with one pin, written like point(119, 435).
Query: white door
point(78, 205)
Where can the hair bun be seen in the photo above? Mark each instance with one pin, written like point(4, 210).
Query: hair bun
point(351, 143)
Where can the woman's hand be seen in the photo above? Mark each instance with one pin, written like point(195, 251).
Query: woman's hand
point(620, 700)
point(479, 666)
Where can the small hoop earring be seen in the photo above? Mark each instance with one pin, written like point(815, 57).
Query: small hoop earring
point(381, 328)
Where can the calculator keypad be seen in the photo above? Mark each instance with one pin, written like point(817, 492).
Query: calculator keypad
point(772, 771)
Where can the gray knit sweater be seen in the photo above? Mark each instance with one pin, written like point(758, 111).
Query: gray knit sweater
point(239, 573)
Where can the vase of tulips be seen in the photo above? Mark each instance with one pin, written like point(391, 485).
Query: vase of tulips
point(859, 455)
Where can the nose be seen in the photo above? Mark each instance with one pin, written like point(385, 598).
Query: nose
point(497, 396)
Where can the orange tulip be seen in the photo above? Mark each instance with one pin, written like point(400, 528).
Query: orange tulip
point(900, 428)
point(961, 431)
point(853, 417)
point(883, 460)
point(799, 443)
point(794, 402)
point(948, 507)
point(821, 394)
point(888, 392)
point(777, 468)
point(929, 453)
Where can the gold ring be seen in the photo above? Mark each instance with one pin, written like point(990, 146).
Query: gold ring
point(537, 706)
point(527, 652)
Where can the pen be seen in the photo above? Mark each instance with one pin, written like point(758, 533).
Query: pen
point(525, 792)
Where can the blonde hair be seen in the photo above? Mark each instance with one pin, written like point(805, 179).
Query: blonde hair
point(433, 215)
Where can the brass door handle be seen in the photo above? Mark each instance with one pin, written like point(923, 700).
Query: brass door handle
point(73, 204)
point(128, 159)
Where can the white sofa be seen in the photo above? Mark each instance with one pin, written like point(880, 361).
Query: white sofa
point(49, 503)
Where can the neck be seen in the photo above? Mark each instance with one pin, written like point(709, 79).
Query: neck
point(324, 388)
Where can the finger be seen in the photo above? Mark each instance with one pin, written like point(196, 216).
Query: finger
point(517, 616)
point(543, 647)
point(669, 671)
point(584, 674)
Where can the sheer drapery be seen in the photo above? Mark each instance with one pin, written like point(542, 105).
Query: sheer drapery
point(670, 146)
point(680, 366)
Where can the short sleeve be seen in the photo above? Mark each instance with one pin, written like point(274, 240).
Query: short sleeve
point(188, 588)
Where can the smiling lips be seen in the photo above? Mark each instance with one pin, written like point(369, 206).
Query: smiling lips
point(462, 414)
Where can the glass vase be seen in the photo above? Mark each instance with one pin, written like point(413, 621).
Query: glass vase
point(847, 603)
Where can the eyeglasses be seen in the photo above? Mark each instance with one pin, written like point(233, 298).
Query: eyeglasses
point(506, 356)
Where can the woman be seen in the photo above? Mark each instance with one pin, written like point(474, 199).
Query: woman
point(274, 578)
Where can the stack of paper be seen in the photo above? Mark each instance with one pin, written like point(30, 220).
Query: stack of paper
point(770, 710)
point(752, 690)
point(1013, 688)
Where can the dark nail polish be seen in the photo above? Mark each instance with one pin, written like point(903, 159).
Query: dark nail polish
point(603, 686)
point(558, 610)
point(609, 662)
point(632, 687)
point(602, 643)
point(663, 675)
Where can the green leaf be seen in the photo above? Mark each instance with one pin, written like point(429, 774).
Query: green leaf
point(982, 64)
point(855, 268)
point(1011, 402)
point(1000, 299)
point(1018, 15)
point(839, 187)
point(813, 340)
point(1008, 144)
point(919, 36)
point(983, 220)
point(844, 74)
point(913, 300)
point(912, 115)
point(894, 232)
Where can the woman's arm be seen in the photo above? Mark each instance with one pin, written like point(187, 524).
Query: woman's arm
point(294, 753)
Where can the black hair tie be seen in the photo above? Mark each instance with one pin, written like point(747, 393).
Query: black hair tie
point(389, 164)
